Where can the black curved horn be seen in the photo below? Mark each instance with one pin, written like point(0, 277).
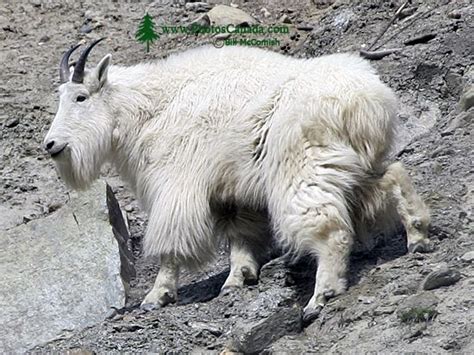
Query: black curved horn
point(64, 66)
point(78, 76)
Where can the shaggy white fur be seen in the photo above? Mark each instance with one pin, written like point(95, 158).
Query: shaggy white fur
point(221, 142)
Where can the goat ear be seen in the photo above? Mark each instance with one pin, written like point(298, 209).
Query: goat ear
point(101, 70)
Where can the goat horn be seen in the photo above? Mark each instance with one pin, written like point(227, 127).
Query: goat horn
point(64, 66)
point(78, 76)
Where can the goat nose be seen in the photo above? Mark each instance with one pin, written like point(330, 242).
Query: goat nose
point(49, 145)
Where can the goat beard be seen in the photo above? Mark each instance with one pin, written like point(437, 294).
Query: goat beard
point(78, 170)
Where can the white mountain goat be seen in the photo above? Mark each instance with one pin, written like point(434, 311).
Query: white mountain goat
point(230, 143)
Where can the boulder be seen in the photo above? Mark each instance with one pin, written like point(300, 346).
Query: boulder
point(418, 307)
point(222, 15)
point(59, 274)
point(440, 278)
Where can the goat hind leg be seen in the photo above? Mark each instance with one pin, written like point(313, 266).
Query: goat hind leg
point(243, 266)
point(333, 255)
point(165, 289)
point(317, 221)
point(248, 234)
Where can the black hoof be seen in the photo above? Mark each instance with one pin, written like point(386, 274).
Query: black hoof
point(249, 277)
point(168, 298)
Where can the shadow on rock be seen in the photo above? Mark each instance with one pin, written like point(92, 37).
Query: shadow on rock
point(202, 291)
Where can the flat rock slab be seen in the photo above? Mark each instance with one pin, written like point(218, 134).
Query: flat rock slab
point(59, 273)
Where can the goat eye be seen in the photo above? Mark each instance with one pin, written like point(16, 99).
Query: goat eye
point(81, 98)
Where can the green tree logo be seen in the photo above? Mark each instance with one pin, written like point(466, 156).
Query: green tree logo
point(146, 31)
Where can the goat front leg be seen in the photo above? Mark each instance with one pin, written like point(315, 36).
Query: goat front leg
point(413, 212)
point(165, 290)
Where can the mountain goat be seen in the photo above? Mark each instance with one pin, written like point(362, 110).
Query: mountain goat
point(228, 144)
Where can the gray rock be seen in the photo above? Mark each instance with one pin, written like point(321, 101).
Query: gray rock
point(469, 76)
point(384, 310)
point(457, 122)
point(290, 344)
point(59, 274)
point(272, 315)
point(122, 236)
point(12, 122)
point(202, 21)
point(36, 3)
point(455, 14)
point(304, 27)
point(469, 256)
point(44, 39)
point(265, 12)
point(198, 6)
point(273, 274)
point(343, 20)
point(416, 331)
point(366, 299)
point(323, 4)
point(440, 278)
point(407, 12)
point(454, 82)
point(443, 151)
point(86, 28)
point(222, 15)
point(421, 306)
point(467, 98)
point(212, 328)
point(420, 38)
point(253, 336)
point(285, 19)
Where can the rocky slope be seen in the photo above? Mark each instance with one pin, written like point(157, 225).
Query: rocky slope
point(391, 306)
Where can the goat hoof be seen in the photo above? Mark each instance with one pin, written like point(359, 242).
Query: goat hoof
point(158, 298)
point(422, 246)
point(227, 290)
point(168, 297)
point(148, 307)
point(310, 314)
point(249, 277)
